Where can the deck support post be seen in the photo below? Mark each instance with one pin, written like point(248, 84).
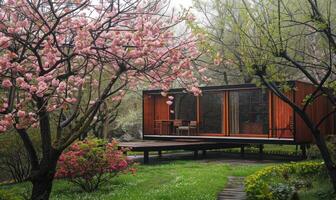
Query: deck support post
point(204, 152)
point(304, 151)
point(242, 150)
point(146, 157)
point(261, 151)
point(160, 153)
point(195, 154)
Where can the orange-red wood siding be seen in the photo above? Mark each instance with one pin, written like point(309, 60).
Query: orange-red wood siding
point(282, 117)
point(225, 113)
point(148, 114)
point(316, 110)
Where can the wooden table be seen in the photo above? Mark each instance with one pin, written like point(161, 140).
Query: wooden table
point(164, 126)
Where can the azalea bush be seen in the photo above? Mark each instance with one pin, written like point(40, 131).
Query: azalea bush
point(92, 162)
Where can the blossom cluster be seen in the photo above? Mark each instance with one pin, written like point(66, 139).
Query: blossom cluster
point(62, 47)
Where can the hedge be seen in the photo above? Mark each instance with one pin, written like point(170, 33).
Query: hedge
point(9, 195)
point(258, 188)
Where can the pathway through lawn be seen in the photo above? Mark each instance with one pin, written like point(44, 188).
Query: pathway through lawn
point(234, 189)
point(189, 180)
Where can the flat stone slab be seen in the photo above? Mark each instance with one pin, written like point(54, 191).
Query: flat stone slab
point(234, 190)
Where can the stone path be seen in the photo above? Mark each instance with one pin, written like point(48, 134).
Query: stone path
point(234, 190)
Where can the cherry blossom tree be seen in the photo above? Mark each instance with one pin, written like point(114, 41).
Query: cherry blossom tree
point(61, 60)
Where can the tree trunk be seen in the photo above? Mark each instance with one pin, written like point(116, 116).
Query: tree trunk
point(42, 179)
point(330, 165)
point(41, 188)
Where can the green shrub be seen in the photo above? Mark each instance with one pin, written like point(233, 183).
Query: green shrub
point(14, 160)
point(257, 185)
point(9, 195)
point(281, 191)
point(314, 152)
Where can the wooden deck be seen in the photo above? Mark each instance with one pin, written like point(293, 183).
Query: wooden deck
point(224, 139)
point(159, 146)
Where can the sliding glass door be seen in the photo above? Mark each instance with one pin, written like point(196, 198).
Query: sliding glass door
point(211, 104)
point(248, 112)
point(185, 107)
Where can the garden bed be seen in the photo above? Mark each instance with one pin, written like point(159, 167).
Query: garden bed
point(302, 180)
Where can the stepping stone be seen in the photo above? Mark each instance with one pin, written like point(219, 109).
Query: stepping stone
point(234, 189)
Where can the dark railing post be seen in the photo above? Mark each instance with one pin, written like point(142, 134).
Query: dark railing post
point(242, 151)
point(146, 157)
point(261, 151)
point(304, 152)
point(195, 154)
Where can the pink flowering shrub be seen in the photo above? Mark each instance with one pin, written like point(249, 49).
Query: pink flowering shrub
point(92, 162)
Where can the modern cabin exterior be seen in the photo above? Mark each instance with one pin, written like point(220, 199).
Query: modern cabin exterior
point(233, 113)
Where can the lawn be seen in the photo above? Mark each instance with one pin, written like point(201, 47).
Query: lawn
point(176, 180)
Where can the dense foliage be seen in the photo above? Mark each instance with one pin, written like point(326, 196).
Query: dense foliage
point(314, 153)
point(8, 195)
point(274, 183)
point(92, 162)
point(14, 161)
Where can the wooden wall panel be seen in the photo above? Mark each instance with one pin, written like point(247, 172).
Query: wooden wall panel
point(161, 108)
point(319, 108)
point(155, 108)
point(148, 114)
point(225, 113)
point(281, 117)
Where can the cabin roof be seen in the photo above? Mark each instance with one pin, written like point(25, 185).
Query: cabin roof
point(213, 88)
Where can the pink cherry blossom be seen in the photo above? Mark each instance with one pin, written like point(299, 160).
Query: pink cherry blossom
point(6, 83)
point(61, 87)
point(202, 70)
point(2, 128)
point(55, 83)
point(21, 113)
point(73, 60)
point(29, 76)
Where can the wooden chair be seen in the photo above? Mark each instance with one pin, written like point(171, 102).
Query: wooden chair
point(176, 123)
point(191, 128)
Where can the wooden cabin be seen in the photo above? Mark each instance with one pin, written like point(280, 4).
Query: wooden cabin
point(233, 113)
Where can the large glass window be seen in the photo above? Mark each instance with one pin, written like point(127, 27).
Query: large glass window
point(185, 107)
point(211, 112)
point(248, 112)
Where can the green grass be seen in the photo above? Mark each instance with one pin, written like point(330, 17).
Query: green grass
point(177, 180)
